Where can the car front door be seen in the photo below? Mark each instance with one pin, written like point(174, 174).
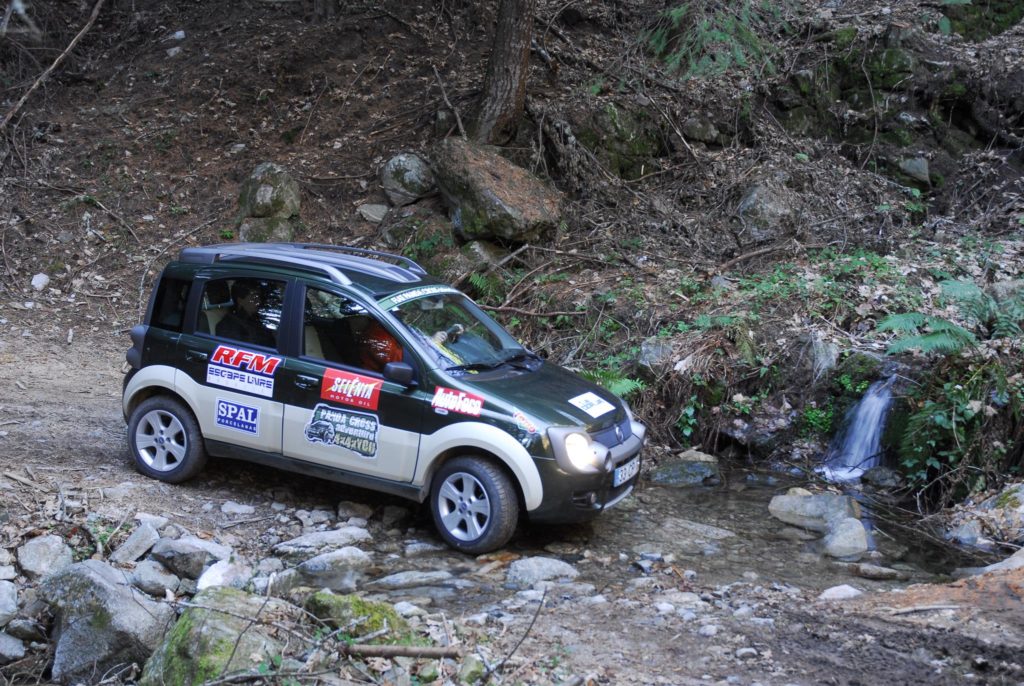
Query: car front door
point(231, 361)
point(340, 410)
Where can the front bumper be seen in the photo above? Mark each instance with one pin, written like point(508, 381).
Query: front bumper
point(570, 497)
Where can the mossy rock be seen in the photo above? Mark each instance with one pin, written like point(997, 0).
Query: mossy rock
point(845, 37)
point(269, 229)
point(225, 630)
point(891, 67)
point(860, 368)
point(626, 140)
point(270, 191)
point(356, 615)
point(981, 20)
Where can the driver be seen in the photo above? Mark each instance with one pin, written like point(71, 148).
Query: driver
point(378, 347)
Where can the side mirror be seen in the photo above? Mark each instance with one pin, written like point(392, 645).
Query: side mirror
point(399, 372)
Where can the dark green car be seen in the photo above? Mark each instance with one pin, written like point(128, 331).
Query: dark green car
point(355, 366)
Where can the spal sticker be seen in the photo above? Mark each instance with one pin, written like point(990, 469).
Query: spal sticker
point(592, 404)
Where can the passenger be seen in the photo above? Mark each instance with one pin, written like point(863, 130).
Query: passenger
point(243, 322)
point(378, 347)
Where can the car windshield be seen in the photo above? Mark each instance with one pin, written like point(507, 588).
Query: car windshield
point(459, 336)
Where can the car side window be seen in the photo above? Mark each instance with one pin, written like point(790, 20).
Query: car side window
point(338, 330)
point(247, 310)
point(169, 306)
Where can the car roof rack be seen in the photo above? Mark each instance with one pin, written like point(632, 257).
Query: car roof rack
point(330, 260)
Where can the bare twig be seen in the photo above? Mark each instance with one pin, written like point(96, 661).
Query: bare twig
point(444, 94)
point(364, 650)
point(60, 58)
point(531, 313)
point(490, 671)
point(145, 270)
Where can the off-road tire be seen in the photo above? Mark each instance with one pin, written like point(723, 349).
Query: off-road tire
point(474, 505)
point(165, 441)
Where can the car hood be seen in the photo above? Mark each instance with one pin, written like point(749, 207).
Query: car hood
point(544, 395)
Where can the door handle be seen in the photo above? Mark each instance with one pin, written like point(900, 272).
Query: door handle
point(196, 356)
point(303, 381)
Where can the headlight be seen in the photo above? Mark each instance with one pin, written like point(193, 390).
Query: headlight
point(575, 451)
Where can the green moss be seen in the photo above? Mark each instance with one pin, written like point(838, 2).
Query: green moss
point(980, 20)
point(1008, 499)
point(955, 90)
point(890, 67)
point(844, 38)
point(355, 614)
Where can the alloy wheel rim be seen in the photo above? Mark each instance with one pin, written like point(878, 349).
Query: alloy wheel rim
point(464, 507)
point(160, 441)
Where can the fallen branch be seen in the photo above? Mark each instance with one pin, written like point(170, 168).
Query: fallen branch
point(364, 650)
point(444, 94)
point(531, 313)
point(60, 58)
point(923, 608)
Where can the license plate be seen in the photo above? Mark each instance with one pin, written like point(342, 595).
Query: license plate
point(626, 472)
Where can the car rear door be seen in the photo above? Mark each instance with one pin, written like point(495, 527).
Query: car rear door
point(232, 379)
point(340, 411)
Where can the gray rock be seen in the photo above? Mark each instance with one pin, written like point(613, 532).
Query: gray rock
point(338, 570)
point(657, 357)
point(1015, 561)
point(406, 609)
point(224, 617)
point(530, 570)
point(882, 477)
point(269, 565)
point(489, 197)
point(841, 592)
point(8, 602)
point(691, 468)
point(412, 579)
point(188, 556)
point(26, 630)
point(40, 281)
point(415, 548)
point(394, 515)
point(878, 573)
point(312, 543)
point(968, 533)
point(767, 210)
point(813, 512)
point(480, 256)
point(373, 213)
point(406, 178)
point(232, 508)
point(847, 538)
point(225, 573)
point(101, 620)
point(347, 508)
point(153, 578)
point(708, 630)
point(5, 555)
point(270, 191)
point(141, 540)
point(44, 555)
point(700, 129)
point(11, 649)
point(916, 168)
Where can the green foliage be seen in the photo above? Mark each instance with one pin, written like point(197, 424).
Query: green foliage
point(847, 383)
point(926, 333)
point(688, 417)
point(817, 421)
point(704, 38)
point(227, 234)
point(615, 382)
point(488, 287)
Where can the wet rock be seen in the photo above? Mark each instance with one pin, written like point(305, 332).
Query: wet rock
point(879, 573)
point(8, 602)
point(411, 579)
point(373, 213)
point(225, 573)
point(415, 548)
point(882, 478)
point(44, 555)
point(229, 630)
point(489, 197)
point(846, 538)
point(102, 622)
point(187, 557)
point(406, 178)
point(690, 468)
point(338, 570)
point(11, 648)
point(153, 578)
point(530, 570)
point(312, 543)
point(841, 592)
point(136, 545)
point(814, 512)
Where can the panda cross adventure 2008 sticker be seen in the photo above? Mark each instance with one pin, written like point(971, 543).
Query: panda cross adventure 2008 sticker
point(356, 431)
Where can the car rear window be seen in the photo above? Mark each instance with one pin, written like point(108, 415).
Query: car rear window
point(169, 306)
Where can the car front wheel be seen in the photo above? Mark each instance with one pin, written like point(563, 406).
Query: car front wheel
point(474, 505)
point(165, 440)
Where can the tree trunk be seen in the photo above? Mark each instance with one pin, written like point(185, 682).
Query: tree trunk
point(505, 83)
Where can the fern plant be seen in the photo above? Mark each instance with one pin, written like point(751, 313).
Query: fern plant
point(926, 333)
point(622, 386)
point(708, 37)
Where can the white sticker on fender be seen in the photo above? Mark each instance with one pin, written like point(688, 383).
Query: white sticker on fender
point(592, 404)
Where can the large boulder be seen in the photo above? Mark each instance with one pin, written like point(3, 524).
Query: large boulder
point(357, 615)
point(766, 212)
point(313, 543)
point(188, 556)
point(268, 205)
point(101, 621)
point(44, 555)
point(406, 178)
point(846, 538)
point(489, 197)
point(690, 468)
point(530, 570)
point(814, 512)
point(8, 602)
point(224, 630)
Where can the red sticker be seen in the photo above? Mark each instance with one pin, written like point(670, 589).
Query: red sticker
point(457, 401)
point(351, 389)
point(243, 359)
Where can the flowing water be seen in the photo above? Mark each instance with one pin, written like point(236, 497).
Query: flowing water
point(858, 446)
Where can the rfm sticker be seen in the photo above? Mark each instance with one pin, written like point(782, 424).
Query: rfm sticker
point(351, 389)
point(447, 399)
point(242, 370)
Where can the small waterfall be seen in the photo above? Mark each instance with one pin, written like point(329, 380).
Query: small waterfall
point(858, 446)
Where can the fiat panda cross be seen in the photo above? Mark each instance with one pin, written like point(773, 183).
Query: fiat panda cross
point(356, 366)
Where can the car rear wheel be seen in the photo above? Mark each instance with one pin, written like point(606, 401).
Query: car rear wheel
point(474, 505)
point(165, 440)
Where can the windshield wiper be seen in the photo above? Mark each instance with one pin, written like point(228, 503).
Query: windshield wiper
point(521, 359)
point(475, 366)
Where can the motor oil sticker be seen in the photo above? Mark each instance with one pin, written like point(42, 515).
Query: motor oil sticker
point(242, 370)
point(238, 417)
point(592, 404)
point(356, 431)
point(449, 400)
point(351, 389)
